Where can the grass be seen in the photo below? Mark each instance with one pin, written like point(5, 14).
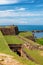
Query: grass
point(3, 45)
point(5, 49)
point(28, 62)
point(11, 39)
point(40, 41)
point(35, 54)
point(28, 40)
point(25, 34)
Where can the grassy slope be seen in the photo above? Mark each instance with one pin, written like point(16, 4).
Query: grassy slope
point(33, 53)
point(25, 34)
point(36, 55)
point(5, 49)
point(11, 39)
point(28, 40)
point(3, 45)
point(40, 41)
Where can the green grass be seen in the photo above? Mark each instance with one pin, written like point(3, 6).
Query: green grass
point(25, 34)
point(35, 54)
point(11, 39)
point(28, 40)
point(5, 49)
point(3, 45)
point(40, 41)
point(28, 62)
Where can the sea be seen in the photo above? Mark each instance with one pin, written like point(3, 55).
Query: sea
point(31, 28)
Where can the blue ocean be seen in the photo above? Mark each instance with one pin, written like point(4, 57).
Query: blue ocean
point(30, 27)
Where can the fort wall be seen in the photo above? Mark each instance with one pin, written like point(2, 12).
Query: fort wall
point(9, 31)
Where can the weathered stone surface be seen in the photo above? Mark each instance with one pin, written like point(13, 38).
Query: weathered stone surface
point(9, 30)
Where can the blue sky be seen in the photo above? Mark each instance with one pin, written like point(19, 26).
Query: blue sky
point(21, 12)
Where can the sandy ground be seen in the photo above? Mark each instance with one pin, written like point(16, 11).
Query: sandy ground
point(41, 53)
point(8, 60)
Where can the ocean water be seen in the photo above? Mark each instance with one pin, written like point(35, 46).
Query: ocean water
point(31, 28)
point(38, 35)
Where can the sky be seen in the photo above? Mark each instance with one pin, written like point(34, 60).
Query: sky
point(21, 12)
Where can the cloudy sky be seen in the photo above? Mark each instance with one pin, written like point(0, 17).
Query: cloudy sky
point(21, 12)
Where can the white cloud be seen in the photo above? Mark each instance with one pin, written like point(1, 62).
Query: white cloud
point(13, 13)
point(13, 21)
point(20, 17)
point(21, 9)
point(8, 1)
point(21, 22)
point(15, 1)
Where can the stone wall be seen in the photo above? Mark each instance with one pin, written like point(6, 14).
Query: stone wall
point(9, 31)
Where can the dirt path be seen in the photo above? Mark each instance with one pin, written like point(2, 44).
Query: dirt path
point(8, 60)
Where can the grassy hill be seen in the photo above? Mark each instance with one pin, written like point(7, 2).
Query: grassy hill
point(3, 44)
point(39, 40)
point(5, 49)
point(11, 39)
point(36, 55)
point(25, 34)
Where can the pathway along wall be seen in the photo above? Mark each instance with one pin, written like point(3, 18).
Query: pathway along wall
point(9, 31)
